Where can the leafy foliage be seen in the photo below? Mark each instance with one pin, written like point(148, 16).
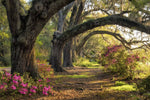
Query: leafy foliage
point(4, 38)
point(144, 85)
point(117, 60)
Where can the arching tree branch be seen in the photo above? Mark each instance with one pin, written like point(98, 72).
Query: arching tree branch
point(125, 43)
point(110, 20)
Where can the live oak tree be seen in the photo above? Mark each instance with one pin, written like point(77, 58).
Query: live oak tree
point(109, 20)
point(25, 28)
point(95, 5)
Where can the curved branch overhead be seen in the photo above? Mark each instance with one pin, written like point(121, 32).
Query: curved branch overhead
point(82, 43)
point(116, 35)
point(110, 20)
point(126, 44)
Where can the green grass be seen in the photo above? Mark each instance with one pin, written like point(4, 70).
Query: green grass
point(4, 67)
point(79, 76)
point(83, 62)
point(120, 83)
point(123, 86)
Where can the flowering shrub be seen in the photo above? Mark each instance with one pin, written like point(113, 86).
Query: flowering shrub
point(25, 85)
point(118, 60)
point(45, 70)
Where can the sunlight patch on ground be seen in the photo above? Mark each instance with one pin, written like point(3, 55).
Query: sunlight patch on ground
point(74, 76)
point(124, 88)
point(93, 82)
point(79, 76)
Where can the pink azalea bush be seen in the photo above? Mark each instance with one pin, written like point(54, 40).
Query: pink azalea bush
point(45, 70)
point(119, 60)
point(23, 85)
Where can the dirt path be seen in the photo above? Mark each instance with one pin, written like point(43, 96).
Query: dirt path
point(85, 84)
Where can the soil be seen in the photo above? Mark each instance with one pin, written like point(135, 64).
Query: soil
point(84, 84)
point(95, 87)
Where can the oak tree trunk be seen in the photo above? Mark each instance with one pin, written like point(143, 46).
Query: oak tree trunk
point(56, 56)
point(23, 59)
point(67, 55)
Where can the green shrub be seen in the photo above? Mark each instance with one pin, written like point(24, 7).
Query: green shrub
point(5, 60)
point(144, 85)
point(118, 60)
point(83, 62)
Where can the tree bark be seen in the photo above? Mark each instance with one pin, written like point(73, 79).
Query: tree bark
point(67, 55)
point(109, 20)
point(23, 59)
point(68, 50)
point(56, 56)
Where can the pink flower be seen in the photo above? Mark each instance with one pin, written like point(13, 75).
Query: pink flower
point(41, 85)
point(45, 88)
point(13, 87)
point(137, 58)
point(129, 60)
point(34, 87)
point(30, 94)
point(45, 93)
point(23, 91)
point(2, 86)
point(24, 84)
point(7, 74)
point(33, 90)
point(15, 77)
point(47, 80)
point(40, 80)
point(15, 82)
